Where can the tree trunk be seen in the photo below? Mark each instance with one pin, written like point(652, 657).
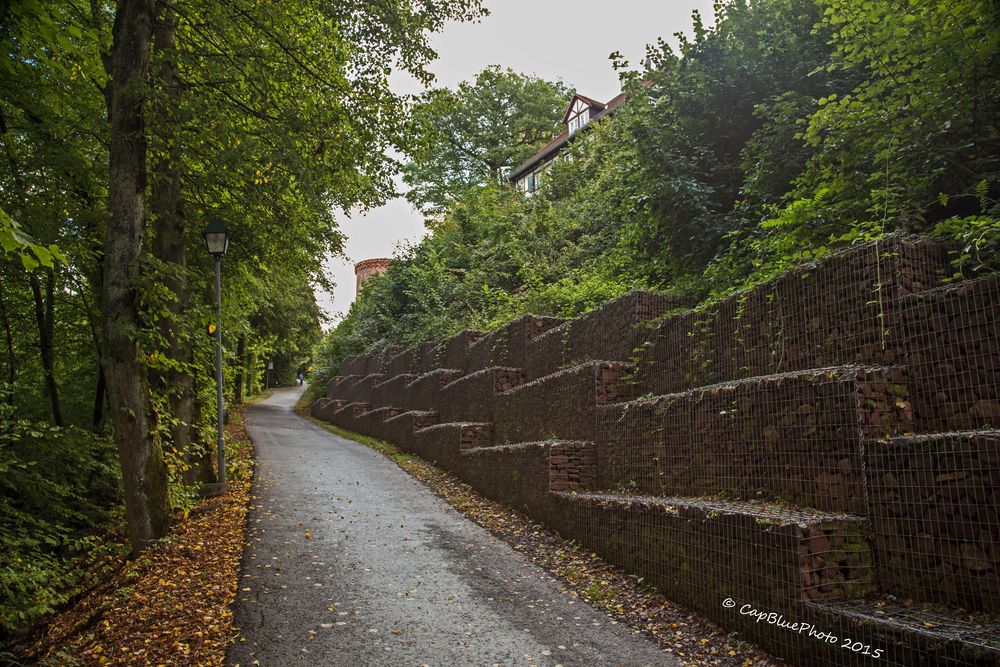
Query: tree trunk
point(169, 237)
point(144, 474)
point(203, 469)
point(100, 395)
point(100, 391)
point(240, 369)
point(9, 339)
point(45, 320)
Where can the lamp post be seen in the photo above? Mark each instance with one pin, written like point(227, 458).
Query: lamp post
point(217, 241)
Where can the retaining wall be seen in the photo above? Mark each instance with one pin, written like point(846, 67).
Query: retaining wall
point(825, 446)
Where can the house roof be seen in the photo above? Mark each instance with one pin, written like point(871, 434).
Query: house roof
point(592, 103)
point(555, 145)
point(544, 153)
point(615, 102)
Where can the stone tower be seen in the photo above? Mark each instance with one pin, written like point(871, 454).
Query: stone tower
point(367, 268)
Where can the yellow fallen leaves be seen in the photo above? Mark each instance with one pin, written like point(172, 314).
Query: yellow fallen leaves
point(173, 602)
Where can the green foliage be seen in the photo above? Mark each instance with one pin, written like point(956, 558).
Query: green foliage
point(790, 128)
point(978, 242)
point(909, 143)
point(269, 115)
point(568, 297)
point(475, 134)
point(55, 486)
point(13, 239)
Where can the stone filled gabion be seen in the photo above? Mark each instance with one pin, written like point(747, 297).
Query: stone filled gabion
point(954, 354)
point(821, 449)
point(612, 332)
point(508, 346)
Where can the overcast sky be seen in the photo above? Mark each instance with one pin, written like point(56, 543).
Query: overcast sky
point(552, 39)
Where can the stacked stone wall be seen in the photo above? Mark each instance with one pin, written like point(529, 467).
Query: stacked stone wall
point(473, 397)
point(392, 391)
point(845, 309)
point(935, 506)
point(508, 345)
point(824, 446)
point(954, 355)
point(612, 332)
point(404, 363)
point(561, 405)
point(796, 437)
point(424, 393)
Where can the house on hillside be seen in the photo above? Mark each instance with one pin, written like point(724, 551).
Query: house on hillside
point(580, 112)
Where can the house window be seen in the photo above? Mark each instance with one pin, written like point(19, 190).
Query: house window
point(533, 181)
point(530, 182)
point(578, 121)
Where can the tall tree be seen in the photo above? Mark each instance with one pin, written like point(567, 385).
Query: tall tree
point(258, 113)
point(143, 470)
point(476, 133)
point(54, 172)
point(45, 320)
point(170, 237)
point(270, 115)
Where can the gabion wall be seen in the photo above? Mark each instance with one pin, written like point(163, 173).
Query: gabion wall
point(813, 462)
point(508, 346)
point(613, 332)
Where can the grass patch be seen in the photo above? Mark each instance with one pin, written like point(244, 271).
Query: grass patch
point(382, 447)
point(262, 396)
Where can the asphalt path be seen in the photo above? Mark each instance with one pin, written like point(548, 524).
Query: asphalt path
point(353, 562)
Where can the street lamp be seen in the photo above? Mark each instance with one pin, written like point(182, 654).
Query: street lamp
point(217, 241)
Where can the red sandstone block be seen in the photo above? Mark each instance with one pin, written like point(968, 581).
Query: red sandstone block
point(424, 393)
point(561, 405)
point(345, 416)
point(471, 397)
point(361, 390)
point(344, 382)
point(317, 407)
point(522, 475)
point(441, 444)
point(507, 346)
point(392, 391)
point(400, 429)
point(372, 422)
point(692, 548)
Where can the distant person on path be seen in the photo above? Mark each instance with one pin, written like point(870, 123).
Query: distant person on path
point(302, 377)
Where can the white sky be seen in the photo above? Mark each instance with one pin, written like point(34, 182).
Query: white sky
point(567, 40)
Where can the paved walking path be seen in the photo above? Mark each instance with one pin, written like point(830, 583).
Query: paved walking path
point(390, 574)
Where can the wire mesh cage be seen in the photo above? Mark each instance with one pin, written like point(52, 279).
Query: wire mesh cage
point(813, 462)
